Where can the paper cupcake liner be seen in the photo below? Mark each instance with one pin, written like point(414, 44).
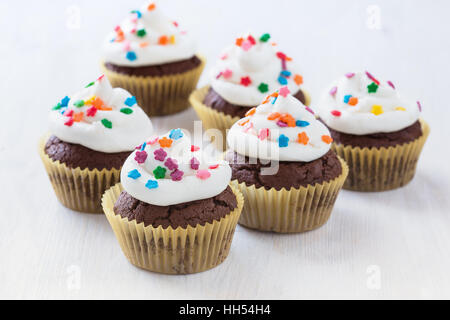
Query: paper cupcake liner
point(181, 251)
point(290, 211)
point(381, 169)
point(77, 189)
point(213, 119)
point(159, 96)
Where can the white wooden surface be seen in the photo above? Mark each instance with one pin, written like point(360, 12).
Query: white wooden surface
point(383, 245)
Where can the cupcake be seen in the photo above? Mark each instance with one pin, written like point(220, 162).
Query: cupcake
point(375, 130)
point(174, 211)
point(149, 55)
point(243, 76)
point(282, 162)
point(91, 135)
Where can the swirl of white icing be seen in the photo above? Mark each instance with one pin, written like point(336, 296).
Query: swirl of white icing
point(281, 129)
point(168, 170)
point(101, 118)
point(360, 104)
point(251, 68)
point(147, 37)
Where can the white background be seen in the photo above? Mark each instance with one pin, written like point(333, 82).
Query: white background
point(382, 245)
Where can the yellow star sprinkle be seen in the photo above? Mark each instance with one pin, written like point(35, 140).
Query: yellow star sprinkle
point(377, 110)
point(90, 101)
point(400, 109)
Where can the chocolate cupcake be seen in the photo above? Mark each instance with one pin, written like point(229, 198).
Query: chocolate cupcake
point(241, 79)
point(375, 130)
point(152, 57)
point(174, 211)
point(282, 163)
point(91, 135)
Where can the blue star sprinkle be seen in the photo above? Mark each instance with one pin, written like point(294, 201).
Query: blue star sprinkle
point(131, 101)
point(176, 134)
point(65, 102)
point(152, 184)
point(131, 55)
point(282, 80)
point(134, 174)
point(347, 98)
point(283, 141)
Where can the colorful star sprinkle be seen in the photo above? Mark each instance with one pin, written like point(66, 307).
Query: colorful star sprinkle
point(246, 81)
point(282, 80)
point(263, 134)
point(303, 138)
point(131, 101)
point(283, 141)
point(177, 175)
point(65, 102)
point(171, 164)
point(91, 112)
point(265, 37)
point(377, 110)
point(203, 174)
point(79, 103)
point(107, 124)
point(327, 139)
point(298, 79)
point(227, 74)
point(141, 33)
point(151, 184)
point(134, 174)
point(372, 88)
point(263, 87)
point(284, 91)
point(159, 172)
point(160, 155)
point(131, 55)
point(165, 142)
point(140, 157)
point(126, 110)
point(195, 164)
point(176, 134)
point(194, 148)
point(353, 101)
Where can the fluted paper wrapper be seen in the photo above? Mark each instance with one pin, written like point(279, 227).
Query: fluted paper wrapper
point(213, 119)
point(180, 251)
point(77, 189)
point(290, 211)
point(382, 169)
point(159, 96)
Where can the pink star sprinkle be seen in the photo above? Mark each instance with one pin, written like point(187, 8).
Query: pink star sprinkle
point(333, 91)
point(171, 164)
point(177, 175)
point(195, 164)
point(263, 134)
point(140, 157)
point(227, 74)
point(203, 174)
point(160, 154)
point(284, 91)
point(246, 45)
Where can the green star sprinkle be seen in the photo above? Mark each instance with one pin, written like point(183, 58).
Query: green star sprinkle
point(373, 87)
point(90, 84)
point(126, 110)
point(79, 103)
point(57, 107)
point(107, 123)
point(141, 33)
point(263, 88)
point(159, 173)
point(265, 37)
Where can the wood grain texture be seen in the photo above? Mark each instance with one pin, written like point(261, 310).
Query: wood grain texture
point(47, 251)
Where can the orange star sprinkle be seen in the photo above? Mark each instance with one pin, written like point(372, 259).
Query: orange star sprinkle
point(273, 116)
point(165, 142)
point(353, 101)
point(163, 40)
point(244, 122)
point(303, 138)
point(151, 7)
point(239, 41)
point(100, 105)
point(327, 139)
point(298, 79)
point(251, 112)
point(78, 117)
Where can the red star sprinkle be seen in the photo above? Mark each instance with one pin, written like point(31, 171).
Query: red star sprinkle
point(69, 122)
point(246, 81)
point(194, 148)
point(91, 112)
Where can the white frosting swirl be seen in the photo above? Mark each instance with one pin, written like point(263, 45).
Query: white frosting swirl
point(147, 37)
point(251, 68)
point(360, 104)
point(101, 118)
point(281, 129)
point(168, 170)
